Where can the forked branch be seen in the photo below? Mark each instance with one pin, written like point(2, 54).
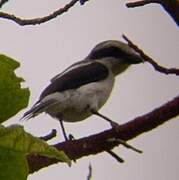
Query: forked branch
point(39, 20)
point(148, 59)
point(100, 142)
point(171, 6)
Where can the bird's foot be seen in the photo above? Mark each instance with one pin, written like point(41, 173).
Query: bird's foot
point(112, 123)
point(70, 137)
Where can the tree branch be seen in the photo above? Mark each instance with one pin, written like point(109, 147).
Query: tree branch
point(49, 136)
point(171, 6)
point(100, 142)
point(82, 2)
point(40, 20)
point(150, 60)
point(89, 177)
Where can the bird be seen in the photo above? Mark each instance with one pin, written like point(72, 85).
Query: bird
point(83, 88)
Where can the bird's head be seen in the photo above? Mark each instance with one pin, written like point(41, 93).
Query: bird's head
point(116, 54)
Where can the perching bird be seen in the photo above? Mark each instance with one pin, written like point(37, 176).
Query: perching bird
point(83, 88)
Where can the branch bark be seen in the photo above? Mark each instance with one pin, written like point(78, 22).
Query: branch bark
point(40, 20)
point(100, 142)
point(170, 6)
point(148, 59)
point(49, 136)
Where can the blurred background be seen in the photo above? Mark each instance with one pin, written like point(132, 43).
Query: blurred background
point(45, 50)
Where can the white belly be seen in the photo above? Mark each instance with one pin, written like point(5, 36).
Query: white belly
point(75, 105)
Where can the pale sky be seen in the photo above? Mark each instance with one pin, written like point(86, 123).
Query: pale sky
point(45, 50)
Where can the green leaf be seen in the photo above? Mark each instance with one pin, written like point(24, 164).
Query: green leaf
point(15, 145)
point(13, 165)
point(15, 138)
point(13, 98)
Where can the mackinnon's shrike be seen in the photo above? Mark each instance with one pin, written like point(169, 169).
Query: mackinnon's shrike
point(83, 88)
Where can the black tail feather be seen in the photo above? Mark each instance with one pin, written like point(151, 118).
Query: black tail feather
point(36, 109)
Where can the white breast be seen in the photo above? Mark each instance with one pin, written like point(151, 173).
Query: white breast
point(75, 105)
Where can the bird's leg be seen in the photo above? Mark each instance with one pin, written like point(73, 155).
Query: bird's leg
point(70, 137)
point(63, 130)
point(112, 123)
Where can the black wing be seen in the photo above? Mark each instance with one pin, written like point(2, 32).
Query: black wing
point(77, 77)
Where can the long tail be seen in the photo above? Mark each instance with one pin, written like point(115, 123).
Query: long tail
point(36, 109)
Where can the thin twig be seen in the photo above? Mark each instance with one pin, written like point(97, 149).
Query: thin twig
point(170, 6)
point(151, 61)
point(97, 143)
point(115, 156)
point(124, 143)
point(39, 20)
point(89, 177)
point(82, 2)
point(140, 3)
point(49, 136)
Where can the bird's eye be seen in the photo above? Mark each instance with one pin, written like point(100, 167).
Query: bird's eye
point(107, 52)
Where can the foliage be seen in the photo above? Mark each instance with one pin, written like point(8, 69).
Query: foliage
point(12, 97)
point(15, 143)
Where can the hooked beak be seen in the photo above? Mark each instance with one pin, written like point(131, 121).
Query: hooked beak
point(134, 59)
